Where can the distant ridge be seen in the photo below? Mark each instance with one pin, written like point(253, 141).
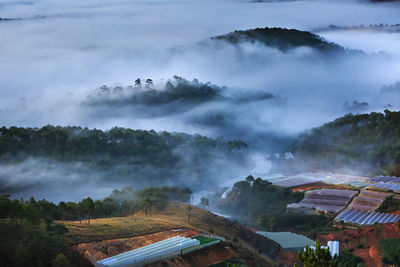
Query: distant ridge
point(281, 38)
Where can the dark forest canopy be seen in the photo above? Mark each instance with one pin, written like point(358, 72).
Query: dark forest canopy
point(102, 147)
point(281, 38)
point(115, 157)
point(369, 140)
point(178, 89)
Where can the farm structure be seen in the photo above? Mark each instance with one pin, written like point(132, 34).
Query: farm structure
point(363, 217)
point(165, 249)
point(385, 179)
point(288, 241)
point(323, 201)
point(317, 177)
point(369, 200)
point(386, 186)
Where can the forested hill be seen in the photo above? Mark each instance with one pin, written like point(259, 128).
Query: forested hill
point(114, 158)
point(281, 38)
point(362, 142)
point(82, 144)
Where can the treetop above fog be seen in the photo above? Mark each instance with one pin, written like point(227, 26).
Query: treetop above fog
point(281, 38)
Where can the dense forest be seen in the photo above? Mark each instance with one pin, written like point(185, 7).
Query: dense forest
point(281, 38)
point(103, 147)
point(130, 157)
point(366, 143)
point(31, 236)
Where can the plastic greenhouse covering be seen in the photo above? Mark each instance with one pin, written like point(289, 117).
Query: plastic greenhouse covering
point(159, 249)
point(363, 217)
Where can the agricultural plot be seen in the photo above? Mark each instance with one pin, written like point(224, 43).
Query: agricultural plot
point(326, 201)
point(362, 217)
point(369, 200)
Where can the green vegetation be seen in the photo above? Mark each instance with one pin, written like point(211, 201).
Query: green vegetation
point(318, 257)
point(27, 242)
point(348, 259)
point(391, 251)
point(390, 204)
point(350, 141)
point(254, 197)
point(204, 240)
point(296, 222)
point(204, 202)
point(283, 39)
point(260, 202)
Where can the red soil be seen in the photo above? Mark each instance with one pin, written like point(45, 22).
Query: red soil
point(288, 258)
point(200, 258)
point(96, 251)
point(364, 241)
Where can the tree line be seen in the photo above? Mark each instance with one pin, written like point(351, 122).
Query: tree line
point(253, 198)
point(115, 145)
point(373, 139)
point(120, 203)
point(178, 89)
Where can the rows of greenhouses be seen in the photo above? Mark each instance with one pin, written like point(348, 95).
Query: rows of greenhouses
point(385, 179)
point(316, 177)
point(369, 200)
point(362, 217)
point(151, 253)
point(330, 201)
point(386, 186)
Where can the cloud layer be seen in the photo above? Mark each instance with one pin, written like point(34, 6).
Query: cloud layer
point(61, 51)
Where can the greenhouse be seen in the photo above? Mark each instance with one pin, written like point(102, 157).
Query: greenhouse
point(385, 186)
point(151, 253)
point(385, 179)
point(288, 241)
point(328, 201)
point(369, 200)
point(362, 217)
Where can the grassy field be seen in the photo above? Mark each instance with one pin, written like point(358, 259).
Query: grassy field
point(117, 227)
point(248, 244)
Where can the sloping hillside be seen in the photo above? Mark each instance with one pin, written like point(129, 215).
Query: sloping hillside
point(367, 143)
point(246, 244)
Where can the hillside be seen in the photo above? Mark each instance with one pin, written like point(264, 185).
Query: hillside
point(365, 143)
point(281, 38)
point(243, 241)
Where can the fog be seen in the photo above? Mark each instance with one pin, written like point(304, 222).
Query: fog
point(60, 52)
